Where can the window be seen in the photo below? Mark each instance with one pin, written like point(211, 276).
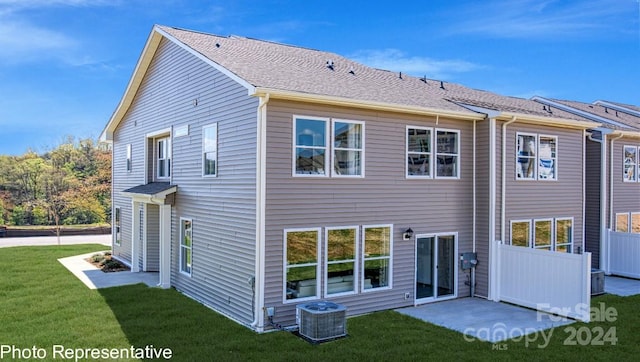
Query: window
point(635, 222)
point(341, 260)
point(564, 235)
point(542, 234)
point(622, 222)
point(186, 244)
point(129, 158)
point(536, 157)
point(418, 152)
point(117, 226)
point(301, 263)
point(377, 257)
point(521, 233)
point(310, 146)
point(447, 151)
point(547, 234)
point(348, 150)
point(164, 157)
point(210, 150)
point(630, 160)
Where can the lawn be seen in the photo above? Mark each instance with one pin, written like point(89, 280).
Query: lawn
point(42, 305)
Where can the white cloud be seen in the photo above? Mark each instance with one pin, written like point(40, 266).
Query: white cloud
point(23, 42)
point(396, 60)
point(531, 18)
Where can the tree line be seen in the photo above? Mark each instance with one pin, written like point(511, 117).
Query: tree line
point(68, 185)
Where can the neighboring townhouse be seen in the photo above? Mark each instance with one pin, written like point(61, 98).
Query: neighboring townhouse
point(613, 186)
point(256, 176)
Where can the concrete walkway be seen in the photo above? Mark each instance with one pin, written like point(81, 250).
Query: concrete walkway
point(621, 286)
point(104, 239)
point(95, 278)
point(489, 321)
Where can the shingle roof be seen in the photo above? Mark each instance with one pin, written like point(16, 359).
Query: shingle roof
point(619, 120)
point(295, 69)
point(152, 188)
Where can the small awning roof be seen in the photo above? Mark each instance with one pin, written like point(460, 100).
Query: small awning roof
point(153, 192)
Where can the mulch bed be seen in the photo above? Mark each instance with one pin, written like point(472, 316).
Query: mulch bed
point(106, 263)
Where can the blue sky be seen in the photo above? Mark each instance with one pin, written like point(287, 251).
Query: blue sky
point(64, 64)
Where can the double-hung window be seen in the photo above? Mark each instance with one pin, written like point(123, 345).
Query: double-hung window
point(419, 152)
point(447, 153)
point(376, 264)
point(521, 233)
point(319, 148)
point(117, 226)
point(163, 155)
point(301, 263)
point(210, 150)
point(341, 276)
point(186, 245)
point(630, 164)
point(628, 222)
point(536, 157)
point(564, 235)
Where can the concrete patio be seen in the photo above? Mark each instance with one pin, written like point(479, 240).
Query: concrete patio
point(621, 286)
point(95, 278)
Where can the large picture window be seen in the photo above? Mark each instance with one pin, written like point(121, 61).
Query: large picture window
point(418, 152)
point(376, 264)
point(447, 153)
point(301, 263)
point(630, 164)
point(341, 260)
point(163, 155)
point(210, 150)
point(310, 146)
point(547, 234)
point(348, 150)
point(536, 157)
point(186, 245)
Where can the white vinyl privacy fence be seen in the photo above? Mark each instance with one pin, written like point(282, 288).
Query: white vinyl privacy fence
point(554, 282)
point(624, 254)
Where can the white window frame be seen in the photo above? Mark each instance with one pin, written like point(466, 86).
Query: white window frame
point(551, 234)
point(129, 164)
point(635, 164)
point(355, 286)
point(632, 223)
point(167, 153)
point(184, 248)
point(529, 236)
point(286, 267)
point(117, 226)
point(364, 259)
point(429, 153)
point(626, 214)
point(555, 234)
point(326, 148)
point(436, 153)
point(333, 147)
point(536, 158)
point(211, 148)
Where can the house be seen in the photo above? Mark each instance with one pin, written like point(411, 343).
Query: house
point(255, 176)
point(613, 186)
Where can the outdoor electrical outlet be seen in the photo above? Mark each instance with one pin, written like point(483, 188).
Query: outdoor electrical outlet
point(270, 311)
point(407, 295)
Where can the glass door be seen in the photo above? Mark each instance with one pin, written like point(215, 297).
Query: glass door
point(435, 267)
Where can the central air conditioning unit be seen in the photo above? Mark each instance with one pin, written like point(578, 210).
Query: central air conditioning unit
point(321, 321)
point(597, 281)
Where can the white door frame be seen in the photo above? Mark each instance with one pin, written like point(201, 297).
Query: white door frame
point(435, 297)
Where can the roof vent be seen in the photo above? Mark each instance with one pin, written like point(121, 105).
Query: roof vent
point(330, 64)
point(400, 75)
point(217, 45)
point(441, 85)
point(351, 71)
point(424, 79)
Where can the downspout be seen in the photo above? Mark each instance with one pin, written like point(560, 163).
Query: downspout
point(472, 282)
point(493, 262)
point(257, 281)
point(610, 179)
point(503, 201)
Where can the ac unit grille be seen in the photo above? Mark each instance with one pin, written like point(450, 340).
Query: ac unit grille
point(321, 321)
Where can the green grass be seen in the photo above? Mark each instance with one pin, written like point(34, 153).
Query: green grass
point(42, 304)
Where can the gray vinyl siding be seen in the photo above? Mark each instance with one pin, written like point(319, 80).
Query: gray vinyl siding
point(482, 207)
point(223, 208)
point(626, 195)
point(383, 196)
point(593, 169)
point(153, 238)
point(540, 199)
